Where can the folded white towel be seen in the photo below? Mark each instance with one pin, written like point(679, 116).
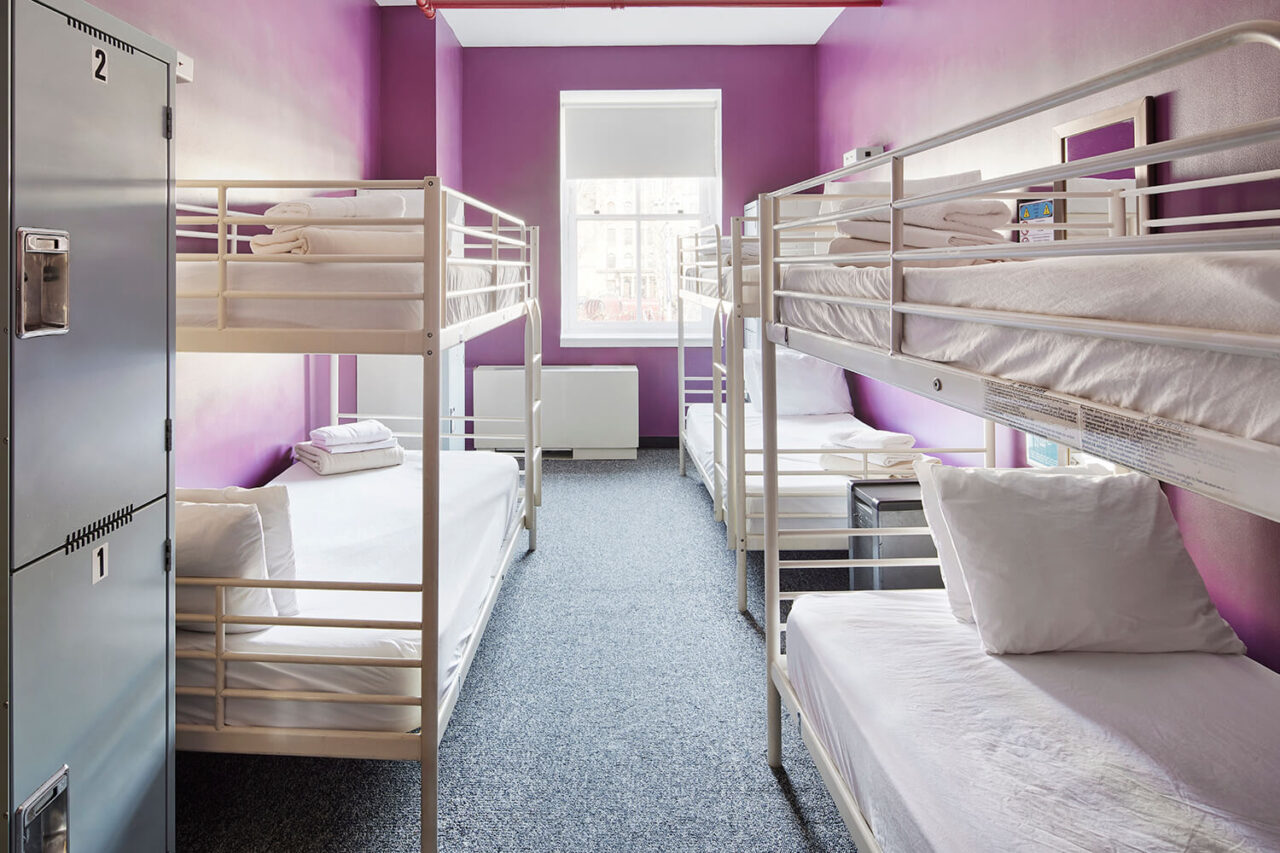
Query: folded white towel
point(360, 432)
point(323, 462)
point(852, 245)
point(916, 237)
point(866, 438)
point(375, 206)
point(974, 215)
point(360, 447)
point(888, 463)
point(338, 241)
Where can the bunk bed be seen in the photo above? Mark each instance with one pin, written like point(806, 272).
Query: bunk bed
point(923, 740)
point(721, 432)
point(390, 615)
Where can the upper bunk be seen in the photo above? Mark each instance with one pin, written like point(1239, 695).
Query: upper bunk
point(445, 269)
point(1149, 340)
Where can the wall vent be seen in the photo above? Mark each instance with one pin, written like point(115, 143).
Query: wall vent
point(99, 35)
point(100, 528)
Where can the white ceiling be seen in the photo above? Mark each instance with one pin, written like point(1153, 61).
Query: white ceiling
point(644, 26)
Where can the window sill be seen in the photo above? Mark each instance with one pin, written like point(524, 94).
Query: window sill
point(614, 340)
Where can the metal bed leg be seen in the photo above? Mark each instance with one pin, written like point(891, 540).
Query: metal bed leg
point(775, 725)
point(769, 386)
point(680, 407)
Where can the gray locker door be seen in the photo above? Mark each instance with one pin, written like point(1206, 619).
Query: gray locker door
point(90, 686)
point(90, 158)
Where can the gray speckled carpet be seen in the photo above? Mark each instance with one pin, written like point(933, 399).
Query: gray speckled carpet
point(616, 704)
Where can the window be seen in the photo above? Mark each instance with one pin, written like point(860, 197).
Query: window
point(637, 170)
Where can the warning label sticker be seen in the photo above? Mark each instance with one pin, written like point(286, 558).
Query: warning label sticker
point(1168, 450)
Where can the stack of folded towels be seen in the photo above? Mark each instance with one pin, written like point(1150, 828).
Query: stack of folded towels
point(892, 449)
point(350, 447)
point(340, 239)
point(948, 224)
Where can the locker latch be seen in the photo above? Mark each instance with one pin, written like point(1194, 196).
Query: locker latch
point(43, 288)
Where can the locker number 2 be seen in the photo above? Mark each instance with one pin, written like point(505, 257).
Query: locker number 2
point(99, 64)
point(100, 562)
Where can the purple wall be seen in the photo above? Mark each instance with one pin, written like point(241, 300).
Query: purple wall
point(407, 76)
point(896, 74)
point(286, 89)
point(449, 112)
point(511, 136)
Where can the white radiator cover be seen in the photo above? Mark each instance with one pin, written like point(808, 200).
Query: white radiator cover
point(593, 411)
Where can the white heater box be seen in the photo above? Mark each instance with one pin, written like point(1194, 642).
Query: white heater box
point(593, 411)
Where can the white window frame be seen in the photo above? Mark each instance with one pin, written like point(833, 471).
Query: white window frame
point(638, 333)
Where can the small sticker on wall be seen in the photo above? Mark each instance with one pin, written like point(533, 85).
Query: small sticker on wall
point(99, 64)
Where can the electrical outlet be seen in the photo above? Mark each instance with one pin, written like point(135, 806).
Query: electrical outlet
point(100, 563)
point(857, 155)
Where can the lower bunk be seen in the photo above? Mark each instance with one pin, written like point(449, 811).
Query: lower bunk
point(929, 743)
point(356, 528)
point(814, 492)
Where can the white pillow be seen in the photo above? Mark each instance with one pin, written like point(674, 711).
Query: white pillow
point(880, 189)
point(1058, 562)
point(221, 540)
point(952, 579)
point(277, 530)
point(415, 208)
point(806, 385)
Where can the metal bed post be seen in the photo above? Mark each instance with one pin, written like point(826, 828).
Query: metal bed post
point(769, 383)
point(737, 414)
point(680, 400)
point(536, 307)
point(433, 294)
point(222, 257)
point(717, 409)
point(532, 406)
point(335, 399)
point(897, 287)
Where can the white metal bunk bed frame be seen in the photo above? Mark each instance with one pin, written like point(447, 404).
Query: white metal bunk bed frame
point(1248, 469)
point(731, 307)
point(507, 241)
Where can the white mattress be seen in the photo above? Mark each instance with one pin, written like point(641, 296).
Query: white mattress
point(202, 277)
point(795, 432)
point(1238, 395)
point(948, 748)
point(366, 525)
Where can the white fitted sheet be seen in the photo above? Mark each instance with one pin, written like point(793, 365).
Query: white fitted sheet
point(202, 277)
point(1238, 395)
point(366, 525)
point(795, 432)
point(949, 749)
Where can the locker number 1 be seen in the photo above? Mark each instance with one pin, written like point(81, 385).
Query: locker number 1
point(99, 64)
point(100, 562)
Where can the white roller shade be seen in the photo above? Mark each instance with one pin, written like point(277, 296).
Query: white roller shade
point(642, 140)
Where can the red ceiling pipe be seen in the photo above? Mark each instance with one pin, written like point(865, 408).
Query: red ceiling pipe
point(429, 7)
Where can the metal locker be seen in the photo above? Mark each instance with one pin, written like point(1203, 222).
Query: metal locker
point(87, 475)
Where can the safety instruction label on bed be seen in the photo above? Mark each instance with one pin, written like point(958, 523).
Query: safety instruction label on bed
point(1168, 450)
point(1030, 409)
point(1165, 449)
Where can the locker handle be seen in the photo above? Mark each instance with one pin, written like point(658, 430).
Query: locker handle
point(43, 286)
